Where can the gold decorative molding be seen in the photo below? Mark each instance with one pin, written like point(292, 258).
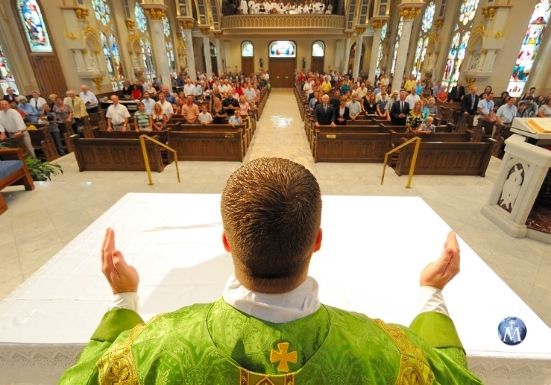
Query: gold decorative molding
point(71, 35)
point(360, 29)
point(155, 13)
point(305, 24)
point(130, 24)
point(499, 35)
point(186, 22)
point(205, 29)
point(470, 80)
point(378, 23)
point(98, 81)
point(410, 13)
point(489, 12)
point(81, 13)
point(438, 23)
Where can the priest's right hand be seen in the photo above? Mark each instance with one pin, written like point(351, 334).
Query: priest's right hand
point(438, 273)
point(122, 277)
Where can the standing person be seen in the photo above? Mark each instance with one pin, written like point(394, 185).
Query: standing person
point(54, 131)
point(342, 115)
point(244, 107)
point(506, 112)
point(10, 95)
point(37, 101)
point(271, 213)
point(89, 99)
point(30, 111)
point(430, 108)
point(158, 118)
point(415, 117)
point(235, 119)
point(148, 103)
point(63, 114)
point(486, 113)
point(12, 124)
point(168, 109)
point(204, 116)
point(79, 111)
point(142, 120)
point(117, 116)
point(354, 107)
point(545, 110)
point(324, 113)
point(382, 111)
point(470, 105)
point(219, 115)
point(370, 105)
point(399, 110)
point(190, 110)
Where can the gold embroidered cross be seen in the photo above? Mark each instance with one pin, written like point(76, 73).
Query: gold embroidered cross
point(283, 357)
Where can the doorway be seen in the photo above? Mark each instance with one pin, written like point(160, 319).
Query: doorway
point(282, 72)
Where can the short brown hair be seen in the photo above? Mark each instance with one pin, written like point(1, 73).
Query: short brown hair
point(271, 210)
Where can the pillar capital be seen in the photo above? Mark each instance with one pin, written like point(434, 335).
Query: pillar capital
point(130, 24)
point(155, 11)
point(410, 10)
point(378, 22)
point(186, 22)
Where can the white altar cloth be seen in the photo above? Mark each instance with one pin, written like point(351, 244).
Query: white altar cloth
point(372, 253)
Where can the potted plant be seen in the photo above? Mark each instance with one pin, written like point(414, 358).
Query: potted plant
point(39, 170)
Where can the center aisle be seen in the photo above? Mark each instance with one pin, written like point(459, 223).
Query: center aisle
point(280, 131)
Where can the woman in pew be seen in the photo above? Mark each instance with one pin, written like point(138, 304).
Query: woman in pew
point(342, 114)
point(370, 105)
point(158, 118)
point(244, 107)
point(142, 121)
point(218, 114)
point(235, 119)
point(381, 110)
point(415, 117)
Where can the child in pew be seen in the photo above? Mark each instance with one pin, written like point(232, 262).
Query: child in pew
point(427, 127)
point(235, 119)
point(30, 126)
point(204, 116)
point(142, 121)
point(54, 131)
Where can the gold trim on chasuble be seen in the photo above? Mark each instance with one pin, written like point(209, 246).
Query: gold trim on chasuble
point(414, 367)
point(249, 378)
point(117, 366)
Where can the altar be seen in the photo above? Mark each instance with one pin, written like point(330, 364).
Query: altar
point(372, 253)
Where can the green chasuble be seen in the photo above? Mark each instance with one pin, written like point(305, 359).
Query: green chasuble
point(215, 344)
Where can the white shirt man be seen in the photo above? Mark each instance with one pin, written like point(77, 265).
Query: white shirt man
point(354, 108)
point(148, 103)
point(37, 101)
point(250, 94)
point(412, 98)
point(168, 110)
point(198, 90)
point(507, 112)
point(117, 116)
point(88, 97)
point(307, 88)
point(189, 89)
point(11, 124)
point(205, 117)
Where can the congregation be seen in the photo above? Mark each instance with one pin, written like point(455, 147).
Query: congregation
point(291, 8)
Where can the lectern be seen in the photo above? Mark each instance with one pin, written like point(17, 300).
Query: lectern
point(520, 202)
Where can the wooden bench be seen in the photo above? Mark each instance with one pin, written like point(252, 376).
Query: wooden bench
point(350, 145)
point(451, 158)
point(208, 143)
point(103, 154)
point(13, 171)
point(43, 143)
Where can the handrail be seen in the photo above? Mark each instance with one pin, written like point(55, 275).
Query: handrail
point(417, 141)
point(143, 137)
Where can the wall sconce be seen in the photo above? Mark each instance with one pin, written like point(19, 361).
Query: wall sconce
point(261, 62)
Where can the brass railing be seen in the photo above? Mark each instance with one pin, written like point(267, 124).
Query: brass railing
point(143, 138)
point(417, 141)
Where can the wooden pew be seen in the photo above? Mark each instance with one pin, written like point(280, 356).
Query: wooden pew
point(452, 158)
point(350, 145)
point(208, 143)
point(162, 136)
point(43, 143)
point(102, 154)
point(19, 175)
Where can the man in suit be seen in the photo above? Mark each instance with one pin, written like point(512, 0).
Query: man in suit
point(399, 110)
point(324, 113)
point(470, 101)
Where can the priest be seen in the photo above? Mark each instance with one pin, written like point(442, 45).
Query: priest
point(269, 327)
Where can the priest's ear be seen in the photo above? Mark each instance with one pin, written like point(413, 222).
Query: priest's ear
point(226, 243)
point(317, 242)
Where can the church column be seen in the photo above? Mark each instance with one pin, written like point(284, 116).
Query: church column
point(409, 11)
point(338, 57)
point(206, 53)
point(377, 24)
point(186, 25)
point(155, 13)
point(346, 54)
point(219, 64)
point(358, 54)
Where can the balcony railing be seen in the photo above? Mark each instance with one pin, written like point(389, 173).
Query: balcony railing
point(269, 24)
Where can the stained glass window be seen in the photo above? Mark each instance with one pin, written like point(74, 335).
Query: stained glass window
point(318, 49)
point(35, 27)
point(397, 43)
point(141, 20)
point(102, 11)
point(283, 48)
point(247, 49)
point(380, 52)
point(147, 57)
point(529, 48)
point(169, 45)
point(6, 77)
point(459, 43)
point(423, 40)
point(166, 26)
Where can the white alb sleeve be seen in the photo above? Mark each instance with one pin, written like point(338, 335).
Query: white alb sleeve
point(432, 299)
point(129, 301)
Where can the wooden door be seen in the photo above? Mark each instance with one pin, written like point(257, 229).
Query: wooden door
point(49, 76)
point(282, 72)
point(317, 64)
point(247, 65)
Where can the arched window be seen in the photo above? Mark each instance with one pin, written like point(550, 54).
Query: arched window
point(6, 77)
point(283, 48)
point(380, 54)
point(318, 49)
point(460, 40)
point(109, 43)
point(529, 48)
point(169, 45)
point(247, 49)
point(34, 25)
point(396, 44)
point(141, 20)
point(423, 41)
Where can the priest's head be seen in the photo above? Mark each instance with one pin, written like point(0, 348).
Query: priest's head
point(271, 211)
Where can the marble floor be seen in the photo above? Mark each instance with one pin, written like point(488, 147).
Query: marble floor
point(39, 223)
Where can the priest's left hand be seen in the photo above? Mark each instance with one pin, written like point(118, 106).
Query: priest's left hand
point(122, 277)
